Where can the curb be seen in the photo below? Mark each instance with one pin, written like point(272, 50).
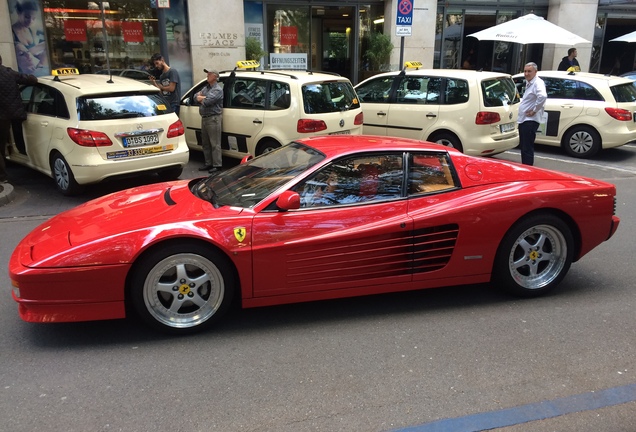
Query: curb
point(7, 193)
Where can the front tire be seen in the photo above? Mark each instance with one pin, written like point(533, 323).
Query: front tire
point(182, 288)
point(534, 256)
point(582, 142)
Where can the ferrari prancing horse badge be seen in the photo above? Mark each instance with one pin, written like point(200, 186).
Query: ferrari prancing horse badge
point(239, 233)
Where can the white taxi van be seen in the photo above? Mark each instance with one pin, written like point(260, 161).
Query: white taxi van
point(82, 129)
point(472, 111)
point(264, 109)
point(586, 112)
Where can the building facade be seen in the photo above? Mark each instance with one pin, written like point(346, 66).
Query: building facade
point(349, 37)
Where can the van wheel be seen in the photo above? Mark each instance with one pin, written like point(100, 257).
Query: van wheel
point(582, 142)
point(63, 176)
point(266, 147)
point(447, 139)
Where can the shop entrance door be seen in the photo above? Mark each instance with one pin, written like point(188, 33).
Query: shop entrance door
point(333, 39)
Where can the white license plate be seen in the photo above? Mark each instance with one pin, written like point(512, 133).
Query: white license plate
point(341, 133)
point(507, 127)
point(141, 140)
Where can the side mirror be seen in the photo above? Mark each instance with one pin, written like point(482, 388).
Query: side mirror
point(247, 158)
point(288, 200)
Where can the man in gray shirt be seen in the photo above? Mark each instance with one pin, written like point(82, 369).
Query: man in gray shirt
point(210, 100)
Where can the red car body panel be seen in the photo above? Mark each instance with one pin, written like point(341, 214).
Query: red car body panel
point(75, 266)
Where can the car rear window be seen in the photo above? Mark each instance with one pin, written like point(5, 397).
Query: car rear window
point(109, 107)
point(624, 92)
point(327, 97)
point(499, 91)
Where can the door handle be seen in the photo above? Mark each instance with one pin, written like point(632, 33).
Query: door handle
point(44, 123)
point(431, 115)
point(257, 121)
point(381, 113)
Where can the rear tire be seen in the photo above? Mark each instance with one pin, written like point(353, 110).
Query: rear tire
point(534, 256)
point(266, 147)
point(582, 142)
point(447, 139)
point(63, 176)
point(182, 288)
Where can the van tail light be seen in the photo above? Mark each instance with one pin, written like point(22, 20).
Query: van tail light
point(619, 114)
point(486, 117)
point(359, 119)
point(310, 126)
point(176, 129)
point(89, 138)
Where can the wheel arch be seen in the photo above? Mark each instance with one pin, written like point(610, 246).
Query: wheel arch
point(435, 133)
point(263, 141)
point(179, 241)
point(566, 218)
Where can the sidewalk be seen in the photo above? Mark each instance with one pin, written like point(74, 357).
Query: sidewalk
point(6, 193)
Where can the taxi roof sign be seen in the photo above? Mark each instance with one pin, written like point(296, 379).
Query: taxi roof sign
point(413, 64)
point(247, 64)
point(65, 71)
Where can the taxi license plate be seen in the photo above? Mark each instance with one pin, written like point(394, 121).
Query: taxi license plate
point(136, 152)
point(140, 140)
point(507, 127)
point(346, 132)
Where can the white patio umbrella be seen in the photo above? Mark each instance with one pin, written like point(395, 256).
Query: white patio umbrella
point(629, 37)
point(529, 29)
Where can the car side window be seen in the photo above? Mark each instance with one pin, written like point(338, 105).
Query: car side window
point(430, 172)
point(419, 90)
point(279, 95)
point(587, 92)
point(375, 91)
point(456, 91)
point(247, 93)
point(360, 179)
point(48, 101)
point(25, 94)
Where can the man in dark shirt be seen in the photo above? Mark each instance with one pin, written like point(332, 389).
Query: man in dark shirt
point(168, 82)
point(569, 61)
point(11, 107)
point(210, 100)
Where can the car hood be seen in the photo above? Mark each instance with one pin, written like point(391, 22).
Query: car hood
point(100, 231)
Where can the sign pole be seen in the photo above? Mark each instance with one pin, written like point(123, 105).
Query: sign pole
point(401, 53)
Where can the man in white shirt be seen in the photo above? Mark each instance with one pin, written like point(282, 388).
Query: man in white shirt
point(530, 112)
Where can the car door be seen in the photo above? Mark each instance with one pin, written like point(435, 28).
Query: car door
point(47, 117)
point(375, 98)
point(244, 114)
point(416, 109)
point(351, 231)
point(190, 117)
point(563, 106)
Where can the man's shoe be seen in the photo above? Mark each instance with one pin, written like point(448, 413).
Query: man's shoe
point(205, 168)
point(214, 170)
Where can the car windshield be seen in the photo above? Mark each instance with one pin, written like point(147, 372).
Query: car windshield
point(118, 106)
point(499, 92)
point(624, 92)
point(329, 96)
point(249, 183)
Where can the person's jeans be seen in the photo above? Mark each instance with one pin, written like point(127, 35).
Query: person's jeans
point(527, 134)
point(211, 140)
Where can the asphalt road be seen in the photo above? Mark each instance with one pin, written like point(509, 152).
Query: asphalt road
point(453, 359)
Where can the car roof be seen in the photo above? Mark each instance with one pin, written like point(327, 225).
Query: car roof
point(583, 76)
point(455, 73)
point(287, 75)
point(335, 145)
point(95, 84)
